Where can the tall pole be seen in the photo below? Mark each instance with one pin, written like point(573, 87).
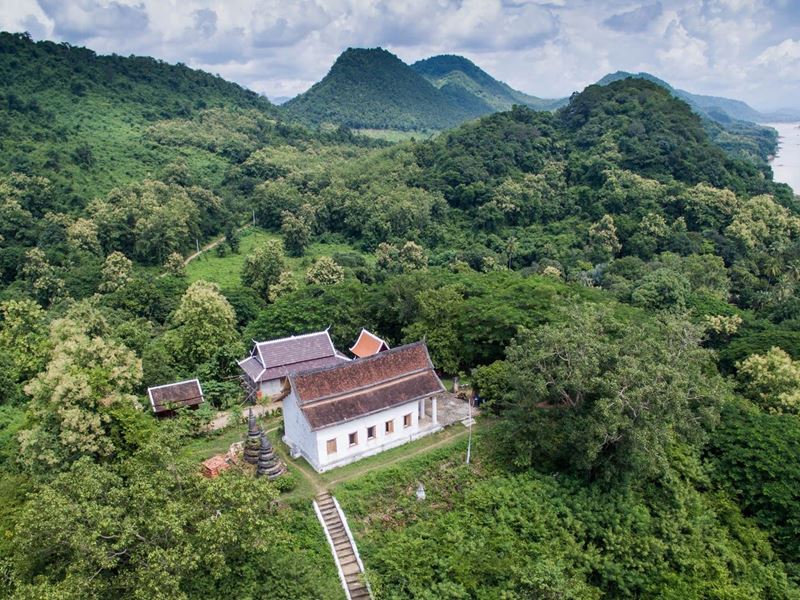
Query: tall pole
point(469, 441)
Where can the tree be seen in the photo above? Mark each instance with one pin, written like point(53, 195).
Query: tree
point(150, 220)
point(391, 259)
point(117, 272)
point(83, 402)
point(263, 267)
point(761, 224)
point(175, 265)
point(603, 239)
point(771, 380)
point(44, 280)
point(607, 398)
point(203, 323)
point(232, 237)
point(23, 344)
point(438, 311)
point(756, 457)
point(296, 231)
point(23, 336)
point(662, 288)
point(82, 236)
point(324, 271)
point(153, 528)
point(287, 283)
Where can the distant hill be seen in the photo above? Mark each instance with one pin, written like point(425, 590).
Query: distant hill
point(372, 88)
point(80, 119)
point(449, 73)
point(713, 105)
point(731, 124)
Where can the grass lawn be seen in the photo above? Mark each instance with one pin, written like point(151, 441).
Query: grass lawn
point(219, 441)
point(225, 270)
point(396, 135)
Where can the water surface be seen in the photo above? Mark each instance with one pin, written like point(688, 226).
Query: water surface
point(786, 164)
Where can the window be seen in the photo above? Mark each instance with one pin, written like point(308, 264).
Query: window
point(371, 433)
point(390, 426)
point(353, 438)
point(407, 420)
point(332, 446)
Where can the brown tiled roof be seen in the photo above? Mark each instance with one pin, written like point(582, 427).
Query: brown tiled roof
point(175, 395)
point(277, 358)
point(362, 387)
point(368, 344)
point(299, 367)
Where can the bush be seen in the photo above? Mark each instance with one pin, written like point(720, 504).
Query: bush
point(286, 482)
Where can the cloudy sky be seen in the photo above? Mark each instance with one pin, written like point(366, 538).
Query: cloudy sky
point(747, 49)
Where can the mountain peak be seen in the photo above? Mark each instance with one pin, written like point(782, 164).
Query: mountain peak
point(373, 88)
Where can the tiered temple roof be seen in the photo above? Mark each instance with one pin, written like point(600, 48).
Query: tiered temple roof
point(343, 392)
point(278, 358)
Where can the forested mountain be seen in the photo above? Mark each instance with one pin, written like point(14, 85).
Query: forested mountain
point(449, 72)
point(372, 88)
point(731, 124)
point(619, 291)
point(734, 109)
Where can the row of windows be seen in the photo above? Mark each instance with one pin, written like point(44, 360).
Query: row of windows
point(352, 438)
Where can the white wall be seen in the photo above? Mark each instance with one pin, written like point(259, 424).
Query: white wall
point(271, 387)
point(297, 431)
point(383, 441)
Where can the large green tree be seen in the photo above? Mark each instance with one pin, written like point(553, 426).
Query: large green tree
point(82, 403)
point(154, 529)
point(604, 397)
point(204, 322)
point(263, 267)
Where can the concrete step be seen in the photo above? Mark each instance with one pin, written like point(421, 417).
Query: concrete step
point(335, 527)
point(350, 569)
point(342, 546)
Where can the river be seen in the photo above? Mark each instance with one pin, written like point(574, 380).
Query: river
point(786, 164)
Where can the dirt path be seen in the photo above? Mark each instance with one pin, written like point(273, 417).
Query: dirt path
point(210, 246)
point(222, 419)
point(205, 248)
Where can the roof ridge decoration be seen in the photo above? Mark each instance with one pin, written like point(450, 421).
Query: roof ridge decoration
point(394, 350)
point(294, 337)
point(163, 385)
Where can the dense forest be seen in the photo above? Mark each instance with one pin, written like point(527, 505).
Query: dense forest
point(620, 291)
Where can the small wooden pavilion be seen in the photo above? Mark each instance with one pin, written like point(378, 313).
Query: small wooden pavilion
point(166, 399)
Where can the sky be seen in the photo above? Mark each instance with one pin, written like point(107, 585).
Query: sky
point(744, 49)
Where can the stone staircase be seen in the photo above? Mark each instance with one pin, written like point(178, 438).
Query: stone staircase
point(348, 563)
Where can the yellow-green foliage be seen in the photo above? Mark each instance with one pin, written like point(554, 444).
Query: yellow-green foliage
point(771, 380)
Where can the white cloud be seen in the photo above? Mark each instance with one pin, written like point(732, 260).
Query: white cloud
point(740, 48)
point(783, 59)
